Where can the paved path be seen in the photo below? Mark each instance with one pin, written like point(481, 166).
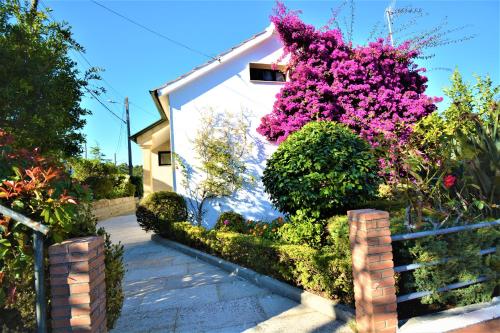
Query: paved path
point(168, 291)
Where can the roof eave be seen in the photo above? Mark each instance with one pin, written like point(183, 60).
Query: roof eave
point(169, 87)
point(134, 137)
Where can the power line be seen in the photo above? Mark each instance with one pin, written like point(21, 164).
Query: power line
point(143, 109)
point(86, 60)
point(154, 32)
point(82, 55)
point(101, 78)
point(113, 88)
point(104, 105)
point(110, 86)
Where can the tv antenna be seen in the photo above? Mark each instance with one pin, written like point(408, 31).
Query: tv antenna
point(388, 14)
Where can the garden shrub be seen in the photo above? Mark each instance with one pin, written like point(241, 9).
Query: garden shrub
point(451, 163)
point(139, 186)
point(323, 167)
point(231, 221)
point(159, 210)
point(40, 189)
point(114, 274)
point(122, 187)
point(264, 229)
point(303, 228)
point(106, 180)
point(465, 264)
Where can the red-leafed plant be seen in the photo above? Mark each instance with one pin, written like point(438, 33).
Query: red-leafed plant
point(42, 190)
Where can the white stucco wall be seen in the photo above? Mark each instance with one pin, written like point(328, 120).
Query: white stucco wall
point(228, 88)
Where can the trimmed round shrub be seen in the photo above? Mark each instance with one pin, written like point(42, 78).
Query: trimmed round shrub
point(230, 221)
point(159, 210)
point(324, 167)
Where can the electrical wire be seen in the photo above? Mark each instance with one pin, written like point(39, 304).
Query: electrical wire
point(104, 105)
point(154, 32)
point(82, 55)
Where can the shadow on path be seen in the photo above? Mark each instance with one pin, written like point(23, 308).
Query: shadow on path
point(168, 291)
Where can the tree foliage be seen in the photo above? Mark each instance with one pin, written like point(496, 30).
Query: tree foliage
point(40, 86)
point(452, 161)
point(377, 90)
point(106, 180)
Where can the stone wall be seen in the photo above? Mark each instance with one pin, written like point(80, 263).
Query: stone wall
point(107, 208)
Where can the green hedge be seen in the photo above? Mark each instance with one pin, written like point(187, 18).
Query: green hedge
point(325, 271)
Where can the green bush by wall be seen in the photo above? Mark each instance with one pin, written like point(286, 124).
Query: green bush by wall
point(159, 210)
point(105, 180)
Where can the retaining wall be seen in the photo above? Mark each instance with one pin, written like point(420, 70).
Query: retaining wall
point(107, 208)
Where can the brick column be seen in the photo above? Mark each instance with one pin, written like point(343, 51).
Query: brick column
point(78, 289)
point(372, 269)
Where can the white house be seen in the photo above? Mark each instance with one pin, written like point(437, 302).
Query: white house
point(242, 78)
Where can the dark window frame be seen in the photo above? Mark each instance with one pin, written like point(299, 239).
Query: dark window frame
point(258, 72)
point(164, 152)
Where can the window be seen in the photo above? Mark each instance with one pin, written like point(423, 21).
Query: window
point(164, 158)
point(266, 72)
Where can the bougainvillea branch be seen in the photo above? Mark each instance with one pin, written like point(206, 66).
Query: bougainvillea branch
point(377, 90)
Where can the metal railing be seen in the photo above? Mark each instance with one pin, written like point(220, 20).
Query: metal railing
point(39, 231)
point(410, 267)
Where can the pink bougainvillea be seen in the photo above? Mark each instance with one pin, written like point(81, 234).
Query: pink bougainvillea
point(377, 89)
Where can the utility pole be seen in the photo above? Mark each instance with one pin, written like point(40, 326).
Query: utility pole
point(128, 138)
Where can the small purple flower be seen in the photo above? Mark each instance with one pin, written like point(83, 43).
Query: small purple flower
point(226, 222)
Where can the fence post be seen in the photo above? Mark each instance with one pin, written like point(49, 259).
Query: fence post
point(373, 271)
point(40, 309)
point(78, 288)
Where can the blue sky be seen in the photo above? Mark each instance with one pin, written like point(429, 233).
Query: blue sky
point(136, 61)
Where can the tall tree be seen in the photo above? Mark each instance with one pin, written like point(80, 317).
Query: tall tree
point(40, 86)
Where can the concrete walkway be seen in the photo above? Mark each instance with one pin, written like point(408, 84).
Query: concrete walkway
point(168, 291)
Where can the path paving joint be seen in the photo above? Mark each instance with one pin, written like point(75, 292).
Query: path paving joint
point(168, 291)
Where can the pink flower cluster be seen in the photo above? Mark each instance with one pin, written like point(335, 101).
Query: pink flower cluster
point(377, 90)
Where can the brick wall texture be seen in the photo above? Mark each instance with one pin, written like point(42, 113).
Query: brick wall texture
point(372, 266)
point(78, 289)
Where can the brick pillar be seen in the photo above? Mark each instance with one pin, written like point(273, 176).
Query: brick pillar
point(78, 289)
point(372, 269)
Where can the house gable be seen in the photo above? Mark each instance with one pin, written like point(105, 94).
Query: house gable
point(226, 87)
